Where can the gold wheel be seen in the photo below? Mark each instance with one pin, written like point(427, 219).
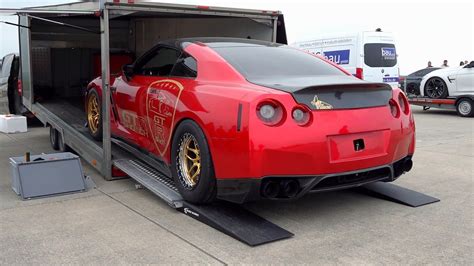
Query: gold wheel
point(93, 113)
point(189, 160)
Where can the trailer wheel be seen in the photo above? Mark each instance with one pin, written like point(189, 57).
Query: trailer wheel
point(191, 165)
point(53, 138)
point(94, 115)
point(436, 88)
point(61, 145)
point(464, 107)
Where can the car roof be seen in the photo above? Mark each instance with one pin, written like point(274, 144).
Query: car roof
point(217, 42)
point(426, 68)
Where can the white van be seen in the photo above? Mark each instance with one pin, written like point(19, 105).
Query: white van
point(368, 55)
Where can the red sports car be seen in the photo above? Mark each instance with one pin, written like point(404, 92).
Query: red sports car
point(241, 120)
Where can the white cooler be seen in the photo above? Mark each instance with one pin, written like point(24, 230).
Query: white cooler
point(12, 123)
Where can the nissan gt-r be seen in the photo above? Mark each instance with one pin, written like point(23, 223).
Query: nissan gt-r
point(241, 120)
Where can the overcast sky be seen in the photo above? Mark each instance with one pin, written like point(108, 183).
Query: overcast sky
point(424, 30)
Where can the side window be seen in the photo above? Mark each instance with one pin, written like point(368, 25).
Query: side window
point(158, 63)
point(186, 66)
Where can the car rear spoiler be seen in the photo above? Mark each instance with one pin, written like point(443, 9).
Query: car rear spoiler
point(344, 96)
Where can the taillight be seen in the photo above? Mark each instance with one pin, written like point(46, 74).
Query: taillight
point(402, 100)
point(19, 87)
point(301, 115)
point(270, 112)
point(394, 108)
point(359, 73)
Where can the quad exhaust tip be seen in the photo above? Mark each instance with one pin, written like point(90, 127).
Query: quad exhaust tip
point(270, 189)
point(289, 188)
point(286, 188)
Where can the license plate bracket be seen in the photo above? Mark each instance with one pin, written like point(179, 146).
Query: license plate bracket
point(358, 146)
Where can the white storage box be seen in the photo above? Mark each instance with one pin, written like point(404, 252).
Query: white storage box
point(12, 123)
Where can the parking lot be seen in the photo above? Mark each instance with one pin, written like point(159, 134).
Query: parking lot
point(117, 223)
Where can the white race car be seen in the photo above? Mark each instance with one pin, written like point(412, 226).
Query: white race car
point(449, 82)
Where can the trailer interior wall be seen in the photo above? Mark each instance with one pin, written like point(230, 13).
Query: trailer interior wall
point(63, 58)
point(145, 32)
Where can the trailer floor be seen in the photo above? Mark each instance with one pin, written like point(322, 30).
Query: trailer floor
point(116, 223)
point(72, 112)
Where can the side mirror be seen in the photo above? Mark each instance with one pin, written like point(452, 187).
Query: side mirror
point(128, 71)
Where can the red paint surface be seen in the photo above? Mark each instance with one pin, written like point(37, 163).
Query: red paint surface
point(257, 150)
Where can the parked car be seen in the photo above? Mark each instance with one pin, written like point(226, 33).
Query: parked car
point(10, 85)
point(411, 83)
point(241, 120)
point(401, 82)
point(449, 82)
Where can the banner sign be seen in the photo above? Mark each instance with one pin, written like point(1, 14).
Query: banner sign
point(340, 57)
point(388, 53)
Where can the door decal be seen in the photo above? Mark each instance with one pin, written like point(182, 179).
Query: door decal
point(161, 103)
point(133, 122)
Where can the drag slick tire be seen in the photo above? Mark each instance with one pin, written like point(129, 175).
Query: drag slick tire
point(94, 115)
point(191, 164)
point(436, 88)
point(465, 108)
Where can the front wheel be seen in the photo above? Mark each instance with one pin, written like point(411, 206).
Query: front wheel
point(464, 107)
point(436, 88)
point(191, 164)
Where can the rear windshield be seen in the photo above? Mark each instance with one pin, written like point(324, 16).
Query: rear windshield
point(380, 55)
point(255, 62)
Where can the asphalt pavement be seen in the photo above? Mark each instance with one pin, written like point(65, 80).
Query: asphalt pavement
point(116, 223)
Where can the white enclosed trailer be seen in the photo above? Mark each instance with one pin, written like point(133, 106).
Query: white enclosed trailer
point(63, 47)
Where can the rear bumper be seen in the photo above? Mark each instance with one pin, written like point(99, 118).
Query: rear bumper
point(250, 189)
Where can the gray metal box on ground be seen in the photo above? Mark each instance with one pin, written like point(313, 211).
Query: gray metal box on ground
point(47, 174)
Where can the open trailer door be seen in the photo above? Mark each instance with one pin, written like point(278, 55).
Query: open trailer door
point(25, 60)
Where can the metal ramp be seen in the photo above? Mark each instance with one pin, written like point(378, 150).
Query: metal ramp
point(153, 180)
point(398, 194)
point(234, 220)
point(231, 219)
